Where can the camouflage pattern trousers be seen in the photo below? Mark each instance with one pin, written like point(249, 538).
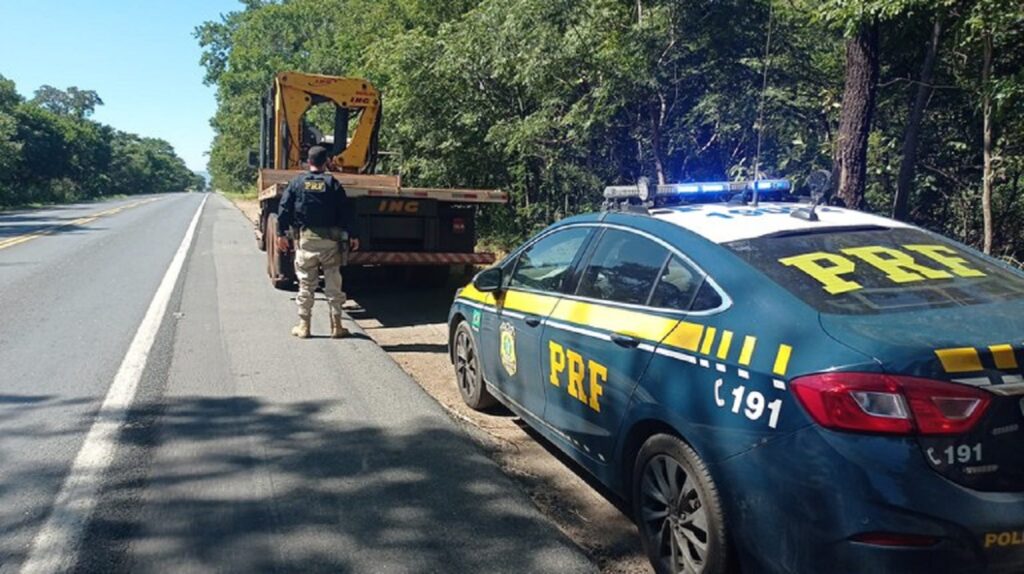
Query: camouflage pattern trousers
point(314, 251)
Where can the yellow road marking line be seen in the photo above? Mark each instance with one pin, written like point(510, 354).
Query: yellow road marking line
point(12, 241)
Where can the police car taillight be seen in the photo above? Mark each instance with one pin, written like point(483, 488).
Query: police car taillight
point(889, 404)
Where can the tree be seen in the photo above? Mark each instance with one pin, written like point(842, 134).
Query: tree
point(73, 101)
point(908, 162)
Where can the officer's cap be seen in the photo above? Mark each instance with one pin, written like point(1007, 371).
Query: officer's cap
point(318, 155)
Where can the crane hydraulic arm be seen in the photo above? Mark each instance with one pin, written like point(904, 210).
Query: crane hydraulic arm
point(293, 94)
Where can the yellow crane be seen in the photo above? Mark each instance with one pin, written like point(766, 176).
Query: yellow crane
point(427, 227)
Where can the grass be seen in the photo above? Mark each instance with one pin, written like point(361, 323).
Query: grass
point(43, 204)
point(235, 196)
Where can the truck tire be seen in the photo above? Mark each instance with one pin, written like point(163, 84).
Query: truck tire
point(261, 238)
point(278, 264)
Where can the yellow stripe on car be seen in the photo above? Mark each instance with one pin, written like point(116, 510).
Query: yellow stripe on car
point(709, 340)
point(782, 360)
point(959, 360)
point(642, 325)
point(723, 347)
point(672, 333)
point(1004, 357)
point(747, 352)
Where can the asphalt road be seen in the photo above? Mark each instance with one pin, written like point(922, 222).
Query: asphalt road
point(226, 444)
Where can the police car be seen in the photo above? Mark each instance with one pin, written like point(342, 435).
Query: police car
point(774, 386)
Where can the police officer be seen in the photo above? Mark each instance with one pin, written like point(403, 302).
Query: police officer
point(314, 207)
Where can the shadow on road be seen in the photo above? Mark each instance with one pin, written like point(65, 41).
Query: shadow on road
point(236, 484)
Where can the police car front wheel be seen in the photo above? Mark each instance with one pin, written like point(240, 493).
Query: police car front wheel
point(467, 370)
point(677, 509)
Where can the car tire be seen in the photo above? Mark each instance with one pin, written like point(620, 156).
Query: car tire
point(468, 375)
point(677, 509)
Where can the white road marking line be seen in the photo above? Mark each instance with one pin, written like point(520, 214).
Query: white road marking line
point(55, 546)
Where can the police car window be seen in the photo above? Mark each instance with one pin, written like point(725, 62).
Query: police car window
point(880, 271)
point(676, 287)
point(544, 264)
point(623, 268)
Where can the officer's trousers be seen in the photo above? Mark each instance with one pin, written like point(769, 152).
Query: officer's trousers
point(311, 253)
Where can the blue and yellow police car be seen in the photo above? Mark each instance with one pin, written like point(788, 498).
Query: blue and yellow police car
point(774, 387)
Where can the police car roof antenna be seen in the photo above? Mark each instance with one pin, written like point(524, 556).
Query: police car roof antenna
point(760, 105)
point(818, 183)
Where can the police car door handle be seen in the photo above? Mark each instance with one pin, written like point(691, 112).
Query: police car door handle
point(627, 341)
point(532, 320)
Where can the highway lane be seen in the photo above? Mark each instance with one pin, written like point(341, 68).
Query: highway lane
point(245, 449)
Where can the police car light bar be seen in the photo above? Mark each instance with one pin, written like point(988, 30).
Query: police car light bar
point(695, 192)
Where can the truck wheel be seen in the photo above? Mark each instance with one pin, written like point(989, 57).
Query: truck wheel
point(277, 262)
point(467, 370)
point(677, 509)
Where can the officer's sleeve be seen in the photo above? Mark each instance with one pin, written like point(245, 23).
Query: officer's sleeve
point(347, 215)
point(286, 210)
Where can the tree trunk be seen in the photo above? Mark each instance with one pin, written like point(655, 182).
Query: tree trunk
point(656, 120)
point(986, 111)
point(855, 118)
point(908, 164)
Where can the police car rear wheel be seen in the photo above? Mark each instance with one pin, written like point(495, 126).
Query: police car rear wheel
point(467, 370)
point(677, 509)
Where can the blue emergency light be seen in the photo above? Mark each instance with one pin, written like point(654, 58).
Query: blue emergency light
point(700, 192)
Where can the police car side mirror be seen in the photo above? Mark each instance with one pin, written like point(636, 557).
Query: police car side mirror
point(488, 280)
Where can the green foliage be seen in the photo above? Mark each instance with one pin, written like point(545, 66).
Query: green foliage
point(550, 100)
point(50, 152)
point(72, 101)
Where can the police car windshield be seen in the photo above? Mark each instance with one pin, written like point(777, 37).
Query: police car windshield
point(871, 271)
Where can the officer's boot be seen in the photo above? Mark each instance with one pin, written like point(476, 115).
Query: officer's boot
point(302, 329)
point(337, 329)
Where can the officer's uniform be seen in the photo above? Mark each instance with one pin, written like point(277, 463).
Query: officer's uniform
point(315, 207)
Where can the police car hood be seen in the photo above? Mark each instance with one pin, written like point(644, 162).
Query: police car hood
point(979, 345)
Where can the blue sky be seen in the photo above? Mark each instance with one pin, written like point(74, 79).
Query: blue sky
point(139, 56)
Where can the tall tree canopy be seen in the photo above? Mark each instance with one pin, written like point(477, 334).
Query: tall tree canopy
point(551, 100)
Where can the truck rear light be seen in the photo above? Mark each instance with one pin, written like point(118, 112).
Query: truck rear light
point(890, 404)
point(458, 225)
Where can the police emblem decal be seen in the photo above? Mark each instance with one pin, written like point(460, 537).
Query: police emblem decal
point(476, 320)
point(508, 348)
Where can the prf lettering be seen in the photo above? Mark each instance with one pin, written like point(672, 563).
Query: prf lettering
point(396, 206)
point(315, 185)
point(1003, 539)
point(569, 364)
point(836, 272)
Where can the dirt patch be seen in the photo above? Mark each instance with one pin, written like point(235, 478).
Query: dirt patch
point(409, 324)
